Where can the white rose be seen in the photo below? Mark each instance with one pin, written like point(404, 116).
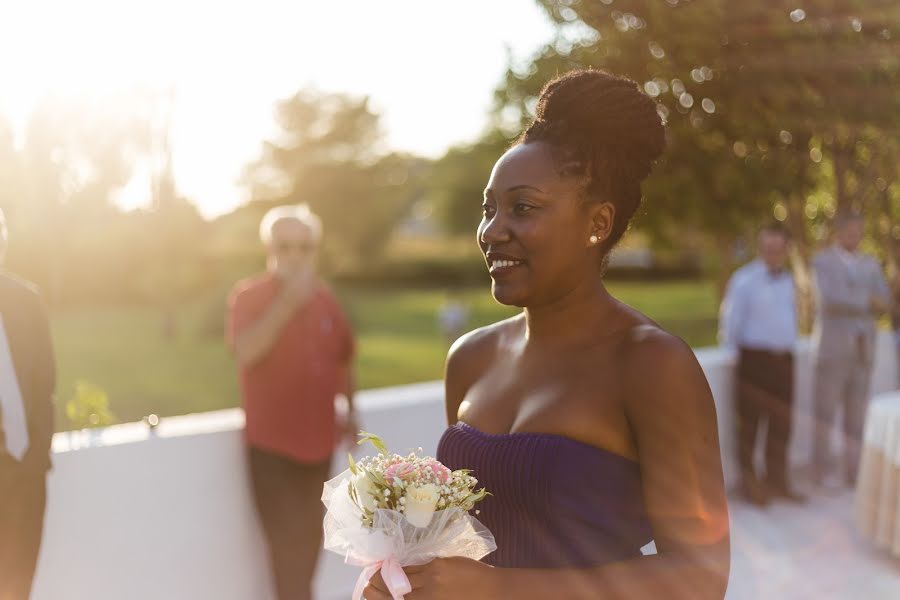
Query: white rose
point(420, 503)
point(365, 490)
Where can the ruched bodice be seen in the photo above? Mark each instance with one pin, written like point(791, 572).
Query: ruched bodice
point(556, 502)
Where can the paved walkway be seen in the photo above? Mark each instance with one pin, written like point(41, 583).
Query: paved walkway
point(785, 552)
point(808, 552)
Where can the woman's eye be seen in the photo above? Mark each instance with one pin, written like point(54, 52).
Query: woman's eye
point(487, 209)
point(521, 207)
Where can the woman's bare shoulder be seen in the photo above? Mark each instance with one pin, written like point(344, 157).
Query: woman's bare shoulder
point(470, 355)
point(479, 345)
point(647, 344)
point(661, 374)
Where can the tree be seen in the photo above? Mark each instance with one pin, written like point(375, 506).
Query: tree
point(755, 94)
point(457, 181)
point(12, 187)
point(59, 188)
point(331, 155)
point(75, 155)
point(172, 261)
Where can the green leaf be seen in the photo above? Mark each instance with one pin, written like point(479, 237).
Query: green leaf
point(378, 478)
point(353, 468)
point(374, 440)
point(476, 497)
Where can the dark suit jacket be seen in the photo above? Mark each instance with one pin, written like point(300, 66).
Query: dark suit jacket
point(28, 334)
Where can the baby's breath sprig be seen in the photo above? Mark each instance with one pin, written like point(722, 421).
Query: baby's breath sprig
point(408, 484)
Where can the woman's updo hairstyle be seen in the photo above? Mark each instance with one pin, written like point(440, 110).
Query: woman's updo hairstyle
point(603, 129)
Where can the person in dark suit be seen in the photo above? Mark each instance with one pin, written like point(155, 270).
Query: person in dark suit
point(27, 383)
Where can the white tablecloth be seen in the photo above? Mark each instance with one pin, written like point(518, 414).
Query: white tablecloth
point(878, 487)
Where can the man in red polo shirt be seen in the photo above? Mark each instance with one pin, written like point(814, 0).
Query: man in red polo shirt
point(294, 349)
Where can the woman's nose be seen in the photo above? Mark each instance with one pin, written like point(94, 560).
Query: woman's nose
point(494, 230)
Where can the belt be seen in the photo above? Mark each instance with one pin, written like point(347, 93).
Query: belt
point(776, 353)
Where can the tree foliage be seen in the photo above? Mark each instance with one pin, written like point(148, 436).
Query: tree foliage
point(772, 111)
point(456, 185)
point(58, 188)
point(330, 154)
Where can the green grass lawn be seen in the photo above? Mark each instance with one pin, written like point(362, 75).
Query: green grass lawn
point(122, 349)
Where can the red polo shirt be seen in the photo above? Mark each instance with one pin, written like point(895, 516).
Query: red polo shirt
point(288, 395)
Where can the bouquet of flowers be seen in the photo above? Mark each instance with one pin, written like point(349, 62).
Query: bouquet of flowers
point(389, 511)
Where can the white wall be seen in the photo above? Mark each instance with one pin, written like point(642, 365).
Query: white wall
point(168, 516)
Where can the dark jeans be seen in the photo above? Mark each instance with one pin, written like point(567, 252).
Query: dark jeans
point(288, 499)
point(765, 393)
point(23, 498)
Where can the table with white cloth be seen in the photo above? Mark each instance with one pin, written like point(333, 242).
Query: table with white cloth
point(878, 486)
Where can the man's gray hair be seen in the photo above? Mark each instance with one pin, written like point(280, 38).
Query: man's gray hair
point(297, 212)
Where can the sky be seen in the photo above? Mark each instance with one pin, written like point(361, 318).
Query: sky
point(429, 67)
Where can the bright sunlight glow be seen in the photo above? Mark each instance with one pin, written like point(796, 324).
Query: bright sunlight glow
point(430, 68)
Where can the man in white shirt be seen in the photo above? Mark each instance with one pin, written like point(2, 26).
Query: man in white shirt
point(27, 381)
point(851, 293)
point(759, 320)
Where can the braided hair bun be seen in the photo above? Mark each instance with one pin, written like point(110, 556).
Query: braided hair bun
point(603, 129)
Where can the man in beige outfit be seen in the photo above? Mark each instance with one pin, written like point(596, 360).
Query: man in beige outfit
point(851, 293)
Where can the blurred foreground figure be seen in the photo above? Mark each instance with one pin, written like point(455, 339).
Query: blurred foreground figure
point(759, 319)
point(27, 382)
point(294, 349)
point(851, 293)
point(895, 307)
point(453, 317)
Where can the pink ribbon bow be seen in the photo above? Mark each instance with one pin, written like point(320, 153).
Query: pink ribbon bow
point(394, 578)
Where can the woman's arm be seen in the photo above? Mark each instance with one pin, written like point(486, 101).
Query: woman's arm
point(252, 340)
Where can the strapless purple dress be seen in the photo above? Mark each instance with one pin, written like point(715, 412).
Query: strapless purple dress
point(556, 502)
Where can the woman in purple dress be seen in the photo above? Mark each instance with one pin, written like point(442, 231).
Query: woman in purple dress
point(594, 429)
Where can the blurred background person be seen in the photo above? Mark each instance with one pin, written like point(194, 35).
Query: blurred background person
point(850, 292)
point(759, 320)
point(453, 317)
point(294, 349)
point(27, 383)
point(895, 306)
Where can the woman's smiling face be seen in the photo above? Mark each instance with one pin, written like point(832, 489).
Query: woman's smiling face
point(536, 228)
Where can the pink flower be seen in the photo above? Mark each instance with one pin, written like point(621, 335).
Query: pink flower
point(399, 470)
point(441, 473)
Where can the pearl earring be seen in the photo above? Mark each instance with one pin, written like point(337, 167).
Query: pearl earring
point(594, 239)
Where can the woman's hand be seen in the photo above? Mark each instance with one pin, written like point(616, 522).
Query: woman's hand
point(443, 579)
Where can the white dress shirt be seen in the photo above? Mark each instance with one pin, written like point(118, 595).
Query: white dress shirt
point(12, 409)
point(848, 257)
point(759, 310)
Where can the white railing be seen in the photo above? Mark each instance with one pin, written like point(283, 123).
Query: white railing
point(167, 515)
